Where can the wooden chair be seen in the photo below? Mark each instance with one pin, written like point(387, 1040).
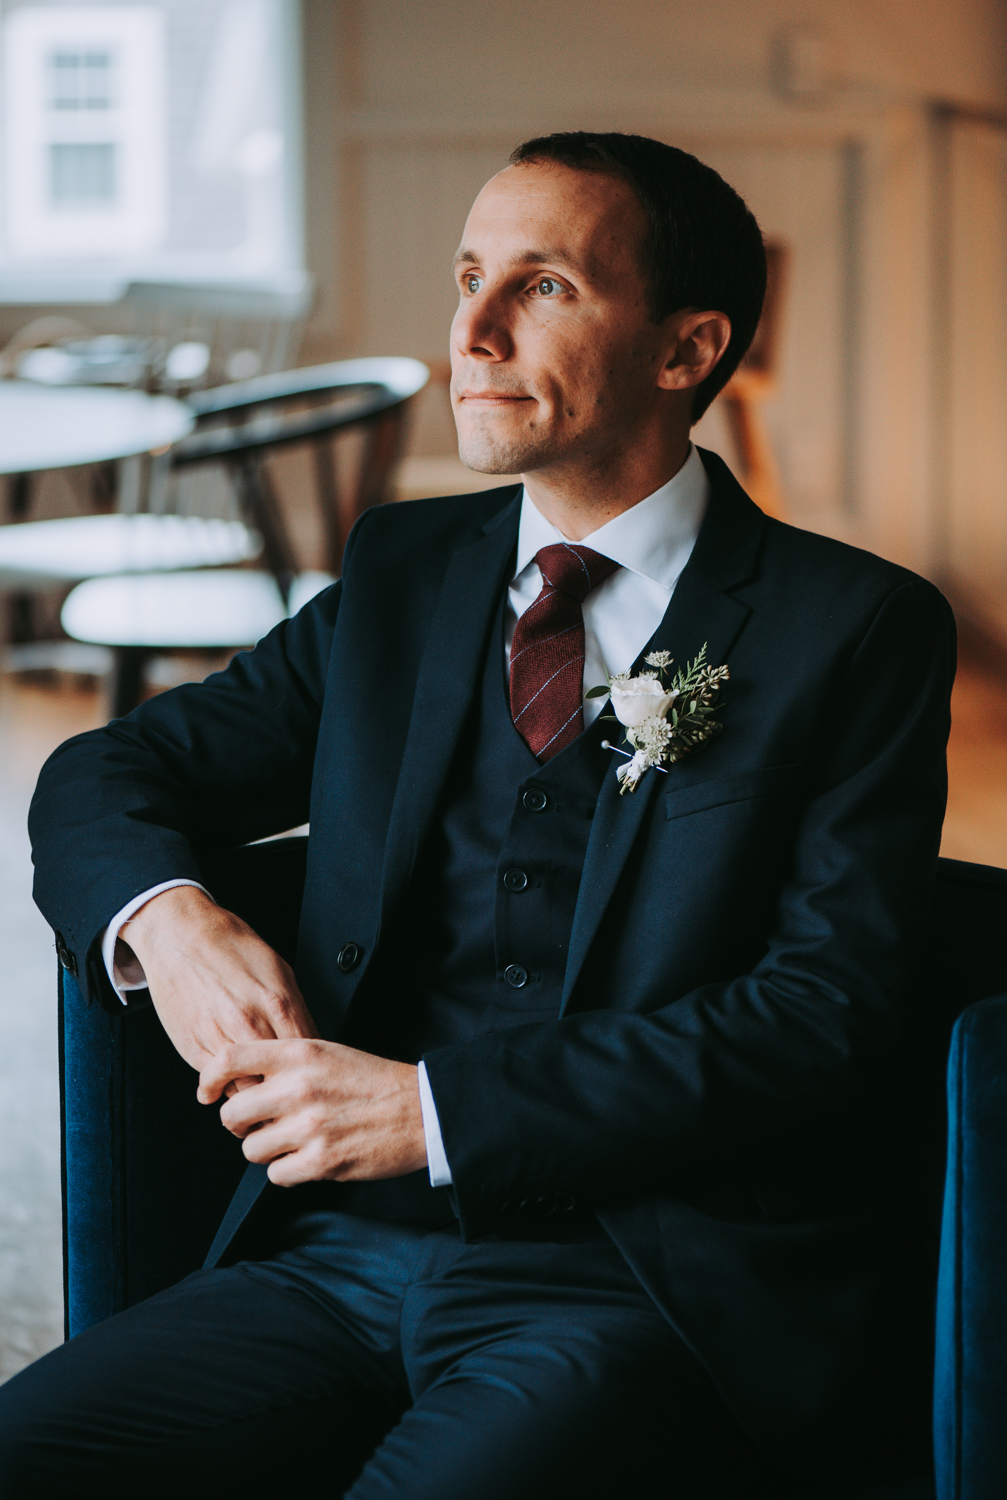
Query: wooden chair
point(753, 383)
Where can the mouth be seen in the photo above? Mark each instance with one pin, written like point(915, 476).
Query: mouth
point(491, 401)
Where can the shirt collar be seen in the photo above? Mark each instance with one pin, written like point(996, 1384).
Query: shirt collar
point(647, 539)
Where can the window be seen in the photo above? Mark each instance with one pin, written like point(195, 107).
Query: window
point(80, 80)
point(148, 142)
point(81, 173)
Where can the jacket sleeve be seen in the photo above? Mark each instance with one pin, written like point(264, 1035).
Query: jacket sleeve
point(215, 764)
point(654, 1090)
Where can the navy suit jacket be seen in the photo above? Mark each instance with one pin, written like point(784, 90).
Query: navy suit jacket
point(729, 1078)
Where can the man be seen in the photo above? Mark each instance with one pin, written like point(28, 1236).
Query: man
point(586, 1102)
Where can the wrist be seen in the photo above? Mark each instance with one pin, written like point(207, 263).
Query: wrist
point(161, 915)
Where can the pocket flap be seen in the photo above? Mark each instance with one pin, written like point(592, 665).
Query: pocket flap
point(766, 781)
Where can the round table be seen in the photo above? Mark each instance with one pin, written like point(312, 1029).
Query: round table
point(181, 611)
point(47, 427)
point(41, 553)
point(55, 427)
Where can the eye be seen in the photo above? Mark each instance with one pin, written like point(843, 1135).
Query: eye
point(548, 286)
point(471, 283)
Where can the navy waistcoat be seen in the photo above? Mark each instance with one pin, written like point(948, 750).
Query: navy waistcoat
point(481, 936)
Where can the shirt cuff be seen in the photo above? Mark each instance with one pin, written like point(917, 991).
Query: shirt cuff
point(437, 1161)
point(130, 975)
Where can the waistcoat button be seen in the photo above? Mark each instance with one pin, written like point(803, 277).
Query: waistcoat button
point(535, 799)
point(516, 976)
point(349, 956)
point(515, 880)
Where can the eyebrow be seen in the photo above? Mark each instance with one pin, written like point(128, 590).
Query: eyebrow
point(554, 257)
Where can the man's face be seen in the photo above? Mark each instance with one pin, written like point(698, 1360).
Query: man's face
point(554, 355)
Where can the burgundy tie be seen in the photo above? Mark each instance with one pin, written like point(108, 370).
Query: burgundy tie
point(547, 652)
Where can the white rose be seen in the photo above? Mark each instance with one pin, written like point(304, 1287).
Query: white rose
point(637, 698)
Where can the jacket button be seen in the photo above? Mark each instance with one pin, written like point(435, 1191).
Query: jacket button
point(515, 880)
point(535, 800)
point(64, 955)
point(349, 956)
point(516, 976)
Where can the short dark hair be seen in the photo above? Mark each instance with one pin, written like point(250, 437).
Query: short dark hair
point(704, 248)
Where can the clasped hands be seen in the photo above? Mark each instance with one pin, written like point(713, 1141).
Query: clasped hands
point(306, 1108)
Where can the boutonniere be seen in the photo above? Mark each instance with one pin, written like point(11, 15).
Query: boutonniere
point(664, 716)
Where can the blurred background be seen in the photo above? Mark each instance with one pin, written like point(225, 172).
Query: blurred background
point(209, 207)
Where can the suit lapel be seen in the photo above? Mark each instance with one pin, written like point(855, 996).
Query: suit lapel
point(700, 610)
point(446, 687)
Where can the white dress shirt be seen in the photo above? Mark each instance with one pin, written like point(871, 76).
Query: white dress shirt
point(652, 542)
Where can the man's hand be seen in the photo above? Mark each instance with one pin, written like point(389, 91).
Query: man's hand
point(213, 981)
point(321, 1111)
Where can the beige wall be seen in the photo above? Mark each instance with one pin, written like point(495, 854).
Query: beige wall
point(448, 56)
point(386, 75)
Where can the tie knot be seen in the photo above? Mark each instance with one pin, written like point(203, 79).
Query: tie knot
point(573, 569)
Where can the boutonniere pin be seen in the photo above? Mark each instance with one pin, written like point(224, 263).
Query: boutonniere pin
point(664, 716)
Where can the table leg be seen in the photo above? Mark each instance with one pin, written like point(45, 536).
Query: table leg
point(125, 683)
point(20, 622)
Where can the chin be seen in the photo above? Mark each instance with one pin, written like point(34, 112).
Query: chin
point(487, 454)
point(490, 458)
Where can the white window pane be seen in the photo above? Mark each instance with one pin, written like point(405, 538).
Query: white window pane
point(80, 80)
point(82, 173)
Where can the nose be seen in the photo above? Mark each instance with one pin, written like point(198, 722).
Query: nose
point(479, 329)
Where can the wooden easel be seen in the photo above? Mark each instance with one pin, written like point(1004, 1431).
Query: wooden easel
point(751, 384)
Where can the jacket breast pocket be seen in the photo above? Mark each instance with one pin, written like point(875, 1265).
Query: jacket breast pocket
point(743, 786)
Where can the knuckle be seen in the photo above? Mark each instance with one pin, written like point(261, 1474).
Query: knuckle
point(223, 1059)
point(279, 1001)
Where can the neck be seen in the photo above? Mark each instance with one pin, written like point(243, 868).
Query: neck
point(579, 502)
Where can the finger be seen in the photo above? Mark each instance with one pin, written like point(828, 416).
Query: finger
point(231, 1064)
point(272, 1139)
point(251, 1108)
point(237, 1084)
point(292, 1169)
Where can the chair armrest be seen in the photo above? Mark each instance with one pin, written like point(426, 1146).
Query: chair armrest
point(970, 1392)
point(148, 1171)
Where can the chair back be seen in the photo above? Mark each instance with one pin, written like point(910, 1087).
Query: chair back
point(241, 424)
point(245, 330)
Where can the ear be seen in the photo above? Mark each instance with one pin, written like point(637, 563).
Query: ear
point(695, 345)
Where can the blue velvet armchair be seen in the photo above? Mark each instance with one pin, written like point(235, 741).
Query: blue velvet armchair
point(970, 1386)
point(147, 1172)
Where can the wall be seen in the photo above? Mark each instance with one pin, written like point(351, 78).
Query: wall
point(411, 106)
